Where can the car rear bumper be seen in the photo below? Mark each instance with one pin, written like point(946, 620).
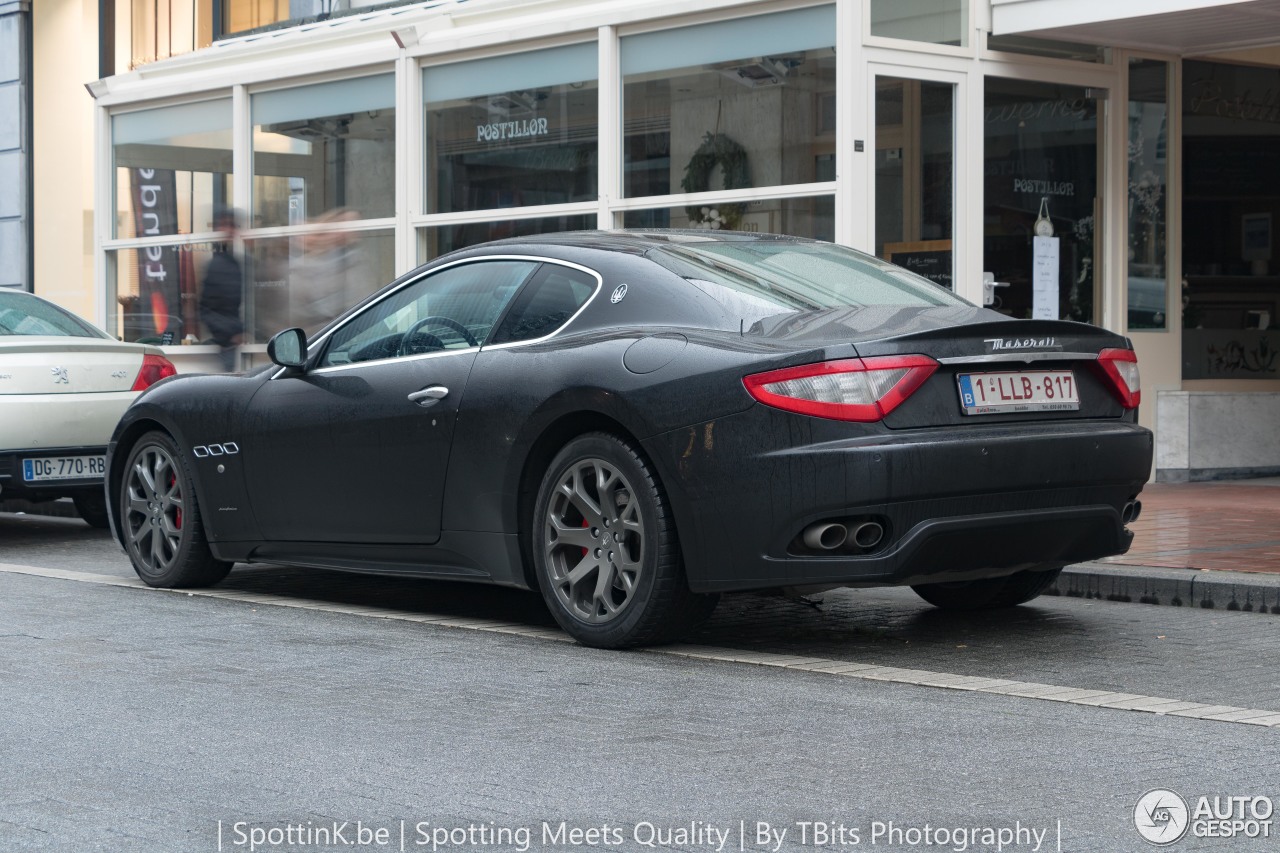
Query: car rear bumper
point(51, 421)
point(12, 484)
point(981, 501)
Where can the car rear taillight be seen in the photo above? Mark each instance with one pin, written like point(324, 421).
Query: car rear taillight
point(1120, 367)
point(154, 368)
point(851, 389)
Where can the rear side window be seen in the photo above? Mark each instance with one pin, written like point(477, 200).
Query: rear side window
point(546, 303)
point(26, 315)
point(758, 279)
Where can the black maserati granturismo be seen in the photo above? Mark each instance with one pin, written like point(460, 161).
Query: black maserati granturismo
point(633, 423)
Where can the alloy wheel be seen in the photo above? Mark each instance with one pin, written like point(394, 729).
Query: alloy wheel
point(153, 511)
point(594, 540)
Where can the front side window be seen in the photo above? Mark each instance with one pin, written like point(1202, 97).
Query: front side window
point(453, 309)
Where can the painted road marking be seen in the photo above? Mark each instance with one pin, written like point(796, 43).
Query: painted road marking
point(838, 668)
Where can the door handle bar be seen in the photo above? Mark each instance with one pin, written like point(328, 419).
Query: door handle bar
point(429, 396)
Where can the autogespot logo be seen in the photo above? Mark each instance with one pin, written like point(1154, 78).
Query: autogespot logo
point(1161, 816)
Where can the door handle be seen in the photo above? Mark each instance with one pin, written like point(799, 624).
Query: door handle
point(429, 396)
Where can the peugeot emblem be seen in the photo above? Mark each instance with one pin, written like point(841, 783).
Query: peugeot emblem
point(619, 293)
point(59, 375)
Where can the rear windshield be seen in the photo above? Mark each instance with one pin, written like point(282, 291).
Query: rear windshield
point(25, 315)
point(760, 279)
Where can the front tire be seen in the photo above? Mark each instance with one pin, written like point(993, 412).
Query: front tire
point(160, 518)
point(988, 593)
point(605, 549)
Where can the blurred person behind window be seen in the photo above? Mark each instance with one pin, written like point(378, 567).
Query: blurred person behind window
point(223, 291)
point(332, 275)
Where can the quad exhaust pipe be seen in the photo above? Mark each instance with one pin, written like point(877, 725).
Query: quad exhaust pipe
point(828, 536)
point(867, 534)
point(825, 536)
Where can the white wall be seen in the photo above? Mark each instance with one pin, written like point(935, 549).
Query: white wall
point(64, 58)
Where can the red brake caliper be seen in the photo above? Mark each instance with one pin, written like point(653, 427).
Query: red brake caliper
point(177, 516)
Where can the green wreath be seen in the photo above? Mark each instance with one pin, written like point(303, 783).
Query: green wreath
point(716, 148)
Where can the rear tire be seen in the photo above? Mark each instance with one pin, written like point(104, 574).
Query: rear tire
point(160, 521)
point(989, 593)
point(92, 507)
point(605, 549)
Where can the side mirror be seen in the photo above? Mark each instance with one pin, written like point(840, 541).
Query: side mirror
point(288, 349)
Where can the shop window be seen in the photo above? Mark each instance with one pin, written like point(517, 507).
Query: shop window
point(1041, 234)
point(433, 242)
point(915, 155)
point(1231, 221)
point(302, 280)
point(173, 168)
point(747, 105)
point(153, 293)
point(310, 279)
point(929, 21)
point(812, 217)
point(1148, 182)
point(512, 131)
point(325, 152)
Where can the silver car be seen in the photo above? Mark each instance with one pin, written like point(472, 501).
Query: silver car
point(63, 385)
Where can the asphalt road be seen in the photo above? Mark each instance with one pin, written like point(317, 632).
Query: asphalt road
point(134, 719)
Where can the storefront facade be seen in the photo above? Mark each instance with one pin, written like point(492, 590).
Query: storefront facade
point(926, 132)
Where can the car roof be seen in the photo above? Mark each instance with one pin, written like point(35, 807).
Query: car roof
point(639, 241)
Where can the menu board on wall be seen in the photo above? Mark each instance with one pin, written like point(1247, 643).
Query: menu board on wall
point(1044, 278)
point(928, 258)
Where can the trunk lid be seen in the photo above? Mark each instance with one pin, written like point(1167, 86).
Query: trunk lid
point(63, 365)
point(972, 341)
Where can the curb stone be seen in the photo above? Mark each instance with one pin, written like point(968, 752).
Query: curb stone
point(1249, 592)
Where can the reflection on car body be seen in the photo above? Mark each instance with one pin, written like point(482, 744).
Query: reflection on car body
point(757, 412)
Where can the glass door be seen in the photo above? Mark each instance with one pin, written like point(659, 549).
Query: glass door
point(915, 169)
point(1041, 210)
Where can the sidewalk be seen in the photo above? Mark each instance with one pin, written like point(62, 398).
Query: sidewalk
point(1212, 545)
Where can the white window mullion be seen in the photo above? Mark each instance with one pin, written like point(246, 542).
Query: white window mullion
point(242, 152)
point(1113, 291)
point(105, 212)
point(851, 124)
point(609, 139)
point(410, 161)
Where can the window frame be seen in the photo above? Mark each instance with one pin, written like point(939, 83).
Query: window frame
point(318, 347)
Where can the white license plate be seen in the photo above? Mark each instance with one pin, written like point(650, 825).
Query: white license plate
point(1018, 391)
point(48, 468)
